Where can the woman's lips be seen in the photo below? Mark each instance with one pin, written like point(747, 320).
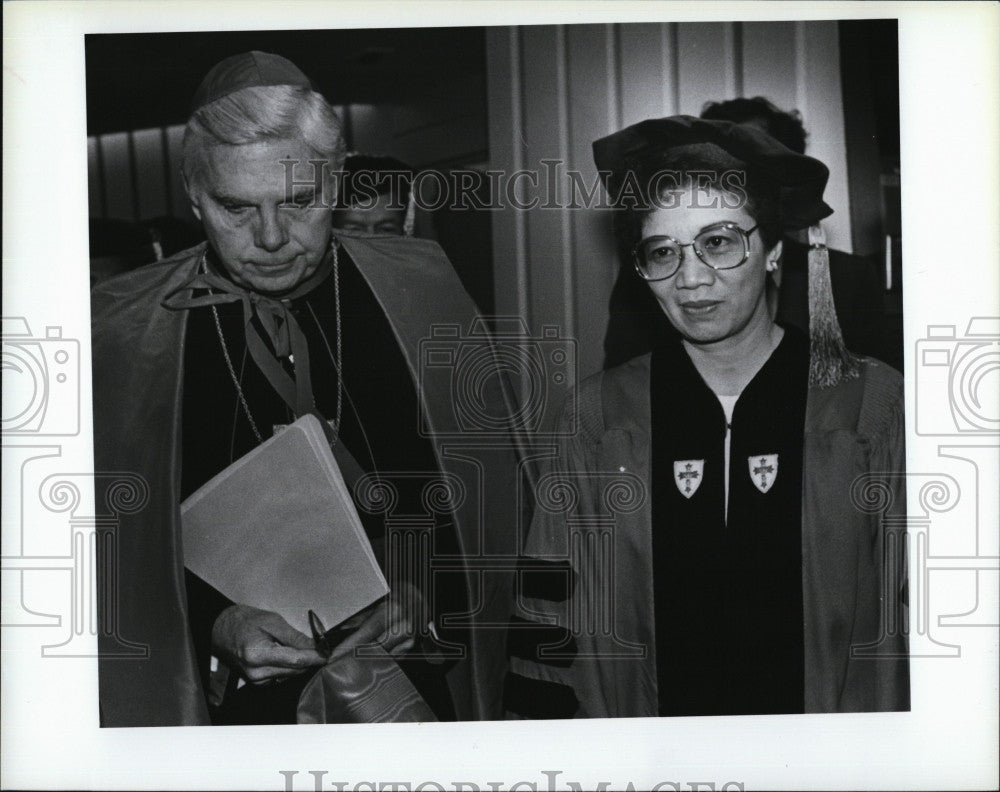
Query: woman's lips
point(699, 307)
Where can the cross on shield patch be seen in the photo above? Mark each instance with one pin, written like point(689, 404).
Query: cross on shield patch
point(688, 475)
point(763, 470)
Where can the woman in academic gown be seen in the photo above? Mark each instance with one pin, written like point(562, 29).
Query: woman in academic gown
point(722, 532)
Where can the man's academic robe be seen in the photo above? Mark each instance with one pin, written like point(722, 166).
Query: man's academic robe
point(137, 364)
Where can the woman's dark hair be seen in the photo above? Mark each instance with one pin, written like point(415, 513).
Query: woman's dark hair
point(701, 166)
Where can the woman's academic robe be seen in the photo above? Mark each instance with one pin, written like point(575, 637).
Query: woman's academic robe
point(853, 565)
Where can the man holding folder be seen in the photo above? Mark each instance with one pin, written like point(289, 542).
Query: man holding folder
point(200, 359)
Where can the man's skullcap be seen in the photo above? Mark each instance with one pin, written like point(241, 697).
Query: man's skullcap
point(247, 70)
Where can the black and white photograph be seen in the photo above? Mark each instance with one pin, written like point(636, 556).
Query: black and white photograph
point(440, 401)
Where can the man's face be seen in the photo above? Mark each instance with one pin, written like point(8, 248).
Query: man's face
point(237, 195)
point(373, 218)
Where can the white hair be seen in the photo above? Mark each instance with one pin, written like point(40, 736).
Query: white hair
point(260, 113)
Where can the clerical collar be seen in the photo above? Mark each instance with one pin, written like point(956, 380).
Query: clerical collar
point(271, 315)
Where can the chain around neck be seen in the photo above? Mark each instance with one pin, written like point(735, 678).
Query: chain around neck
point(336, 358)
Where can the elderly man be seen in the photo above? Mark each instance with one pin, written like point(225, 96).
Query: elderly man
point(200, 358)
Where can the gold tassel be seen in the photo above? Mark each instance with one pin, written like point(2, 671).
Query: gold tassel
point(409, 221)
point(829, 361)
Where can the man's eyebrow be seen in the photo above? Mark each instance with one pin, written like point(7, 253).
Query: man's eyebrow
point(305, 193)
point(223, 198)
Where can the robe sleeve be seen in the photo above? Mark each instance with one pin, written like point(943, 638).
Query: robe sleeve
point(889, 455)
point(204, 606)
point(540, 680)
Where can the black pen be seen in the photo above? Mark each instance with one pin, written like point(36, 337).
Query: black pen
point(319, 635)
point(326, 640)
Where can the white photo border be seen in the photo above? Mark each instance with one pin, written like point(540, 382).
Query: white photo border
point(949, 107)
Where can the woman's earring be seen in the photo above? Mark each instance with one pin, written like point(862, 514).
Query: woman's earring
point(772, 265)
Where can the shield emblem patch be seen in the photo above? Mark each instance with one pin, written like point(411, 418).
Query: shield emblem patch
point(687, 475)
point(763, 470)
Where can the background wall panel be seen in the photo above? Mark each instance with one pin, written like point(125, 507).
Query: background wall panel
point(707, 64)
point(822, 107)
point(95, 186)
point(154, 196)
point(595, 110)
point(545, 91)
point(506, 144)
point(648, 69)
point(121, 199)
point(179, 205)
point(769, 61)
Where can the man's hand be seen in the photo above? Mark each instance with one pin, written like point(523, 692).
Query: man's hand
point(388, 622)
point(262, 645)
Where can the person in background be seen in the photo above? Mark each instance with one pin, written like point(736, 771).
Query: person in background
point(636, 325)
point(375, 196)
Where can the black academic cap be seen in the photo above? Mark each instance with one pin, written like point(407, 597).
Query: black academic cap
point(800, 179)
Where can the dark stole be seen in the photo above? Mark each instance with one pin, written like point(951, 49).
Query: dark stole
point(728, 593)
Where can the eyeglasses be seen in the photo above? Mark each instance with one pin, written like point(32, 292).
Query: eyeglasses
point(721, 246)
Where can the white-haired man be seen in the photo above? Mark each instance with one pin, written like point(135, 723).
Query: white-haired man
point(198, 359)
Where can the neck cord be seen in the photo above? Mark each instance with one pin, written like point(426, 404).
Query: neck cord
point(335, 359)
point(232, 374)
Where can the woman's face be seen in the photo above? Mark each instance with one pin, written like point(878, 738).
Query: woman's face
point(705, 305)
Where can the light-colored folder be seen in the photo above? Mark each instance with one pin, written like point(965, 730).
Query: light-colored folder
point(278, 530)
